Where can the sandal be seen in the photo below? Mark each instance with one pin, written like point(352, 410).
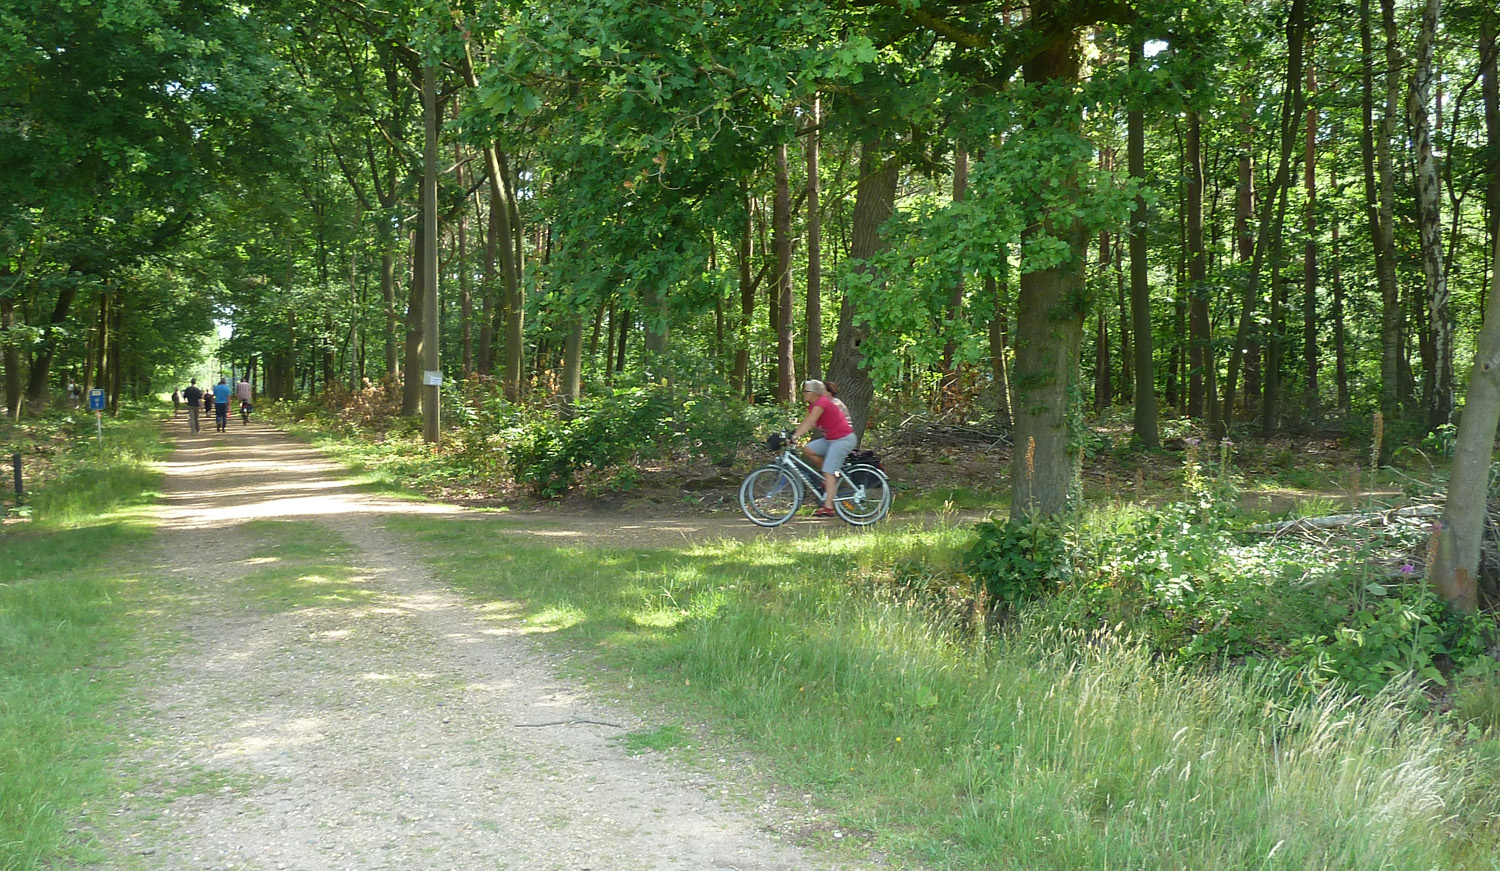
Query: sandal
point(825, 512)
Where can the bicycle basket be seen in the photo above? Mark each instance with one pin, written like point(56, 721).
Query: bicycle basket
point(865, 458)
point(775, 441)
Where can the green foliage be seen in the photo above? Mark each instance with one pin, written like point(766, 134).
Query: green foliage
point(1016, 561)
point(626, 427)
point(1400, 636)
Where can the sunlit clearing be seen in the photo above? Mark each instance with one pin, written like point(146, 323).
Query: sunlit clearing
point(659, 618)
point(555, 619)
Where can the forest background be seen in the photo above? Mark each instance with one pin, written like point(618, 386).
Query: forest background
point(1223, 222)
point(1257, 217)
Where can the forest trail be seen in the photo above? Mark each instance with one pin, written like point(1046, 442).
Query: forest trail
point(399, 731)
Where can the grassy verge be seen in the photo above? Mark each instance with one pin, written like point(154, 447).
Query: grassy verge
point(67, 600)
point(1018, 751)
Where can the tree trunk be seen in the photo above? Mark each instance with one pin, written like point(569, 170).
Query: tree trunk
point(1103, 392)
point(486, 361)
point(1049, 328)
point(1437, 380)
point(1310, 399)
point(1382, 218)
point(41, 363)
point(813, 347)
point(999, 370)
point(572, 386)
point(1273, 210)
point(411, 386)
point(739, 378)
point(1455, 571)
point(874, 203)
point(1200, 348)
point(1146, 429)
point(956, 296)
point(1340, 331)
point(10, 351)
point(388, 294)
point(1270, 408)
point(786, 363)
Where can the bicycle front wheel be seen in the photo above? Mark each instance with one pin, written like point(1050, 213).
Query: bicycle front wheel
point(770, 496)
point(863, 496)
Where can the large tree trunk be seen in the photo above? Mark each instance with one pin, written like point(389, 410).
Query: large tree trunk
point(1455, 571)
point(813, 346)
point(1437, 379)
point(1147, 432)
point(781, 244)
point(1049, 330)
point(874, 203)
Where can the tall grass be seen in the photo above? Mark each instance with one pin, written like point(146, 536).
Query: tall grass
point(1021, 750)
point(64, 623)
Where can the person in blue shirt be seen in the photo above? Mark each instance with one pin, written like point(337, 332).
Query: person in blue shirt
point(221, 405)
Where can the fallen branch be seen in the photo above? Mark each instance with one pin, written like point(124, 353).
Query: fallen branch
point(1333, 521)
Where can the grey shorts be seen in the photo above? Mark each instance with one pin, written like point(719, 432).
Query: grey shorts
point(835, 452)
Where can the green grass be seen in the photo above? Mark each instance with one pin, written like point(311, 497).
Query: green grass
point(71, 613)
point(1018, 751)
point(294, 565)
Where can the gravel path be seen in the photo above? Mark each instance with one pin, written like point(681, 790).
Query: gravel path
point(399, 732)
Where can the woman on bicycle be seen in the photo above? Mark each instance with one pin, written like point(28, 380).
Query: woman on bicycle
point(837, 441)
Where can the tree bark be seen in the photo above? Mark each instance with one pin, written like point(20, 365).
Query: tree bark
point(813, 346)
point(781, 244)
point(1147, 429)
point(572, 386)
point(956, 296)
point(739, 378)
point(1049, 328)
point(874, 203)
point(1383, 221)
point(1310, 398)
point(1200, 350)
point(10, 351)
point(999, 369)
point(1437, 379)
point(411, 385)
point(1273, 210)
point(1455, 571)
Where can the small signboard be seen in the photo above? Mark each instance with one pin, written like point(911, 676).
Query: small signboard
point(96, 399)
point(432, 378)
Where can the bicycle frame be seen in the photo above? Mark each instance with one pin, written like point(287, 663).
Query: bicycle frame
point(812, 478)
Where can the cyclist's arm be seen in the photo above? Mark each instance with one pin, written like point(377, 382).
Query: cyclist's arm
point(808, 422)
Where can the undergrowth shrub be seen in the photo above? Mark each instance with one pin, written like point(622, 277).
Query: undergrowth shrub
point(620, 430)
point(1188, 585)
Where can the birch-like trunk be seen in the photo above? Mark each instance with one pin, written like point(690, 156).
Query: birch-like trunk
point(1437, 380)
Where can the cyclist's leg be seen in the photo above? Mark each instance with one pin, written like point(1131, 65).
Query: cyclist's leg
point(833, 460)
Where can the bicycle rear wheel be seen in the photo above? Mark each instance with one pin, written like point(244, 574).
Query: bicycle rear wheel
point(863, 496)
point(770, 496)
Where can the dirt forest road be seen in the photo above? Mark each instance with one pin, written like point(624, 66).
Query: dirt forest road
point(399, 734)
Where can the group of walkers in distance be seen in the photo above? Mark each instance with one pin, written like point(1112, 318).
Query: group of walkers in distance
point(215, 399)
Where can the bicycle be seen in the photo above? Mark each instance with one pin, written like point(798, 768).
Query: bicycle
point(771, 495)
point(244, 413)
